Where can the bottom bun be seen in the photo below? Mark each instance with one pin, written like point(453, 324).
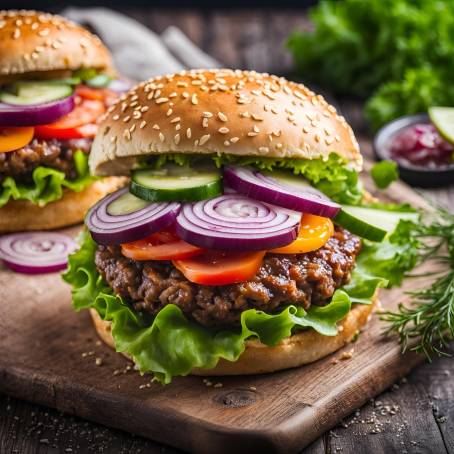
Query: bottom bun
point(18, 215)
point(302, 348)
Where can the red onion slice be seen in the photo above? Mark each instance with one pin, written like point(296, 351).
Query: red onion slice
point(298, 195)
point(35, 114)
point(107, 228)
point(120, 85)
point(36, 252)
point(237, 223)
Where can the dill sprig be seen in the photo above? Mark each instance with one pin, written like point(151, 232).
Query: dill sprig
point(426, 323)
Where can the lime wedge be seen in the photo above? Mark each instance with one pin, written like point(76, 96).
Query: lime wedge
point(443, 119)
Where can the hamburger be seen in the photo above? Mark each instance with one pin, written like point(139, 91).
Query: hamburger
point(55, 80)
point(235, 249)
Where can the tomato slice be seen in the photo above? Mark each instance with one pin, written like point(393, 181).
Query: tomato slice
point(314, 232)
point(86, 112)
point(220, 268)
point(164, 245)
point(13, 138)
point(100, 94)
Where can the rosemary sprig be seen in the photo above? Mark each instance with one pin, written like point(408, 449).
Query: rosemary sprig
point(426, 323)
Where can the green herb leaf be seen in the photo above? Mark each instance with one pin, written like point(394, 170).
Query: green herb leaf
point(384, 173)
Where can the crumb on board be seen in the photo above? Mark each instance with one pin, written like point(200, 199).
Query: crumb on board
point(347, 355)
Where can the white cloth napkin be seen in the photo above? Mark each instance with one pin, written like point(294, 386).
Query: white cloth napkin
point(138, 52)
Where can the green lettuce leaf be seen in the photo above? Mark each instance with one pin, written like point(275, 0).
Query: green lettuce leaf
point(169, 344)
point(384, 173)
point(47, 183)
point(394, 257)
point(332, 176)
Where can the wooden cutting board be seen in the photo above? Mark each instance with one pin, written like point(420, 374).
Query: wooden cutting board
point(51, 355)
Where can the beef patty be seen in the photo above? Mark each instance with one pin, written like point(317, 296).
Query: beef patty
point(299, 279)
point(57, 154)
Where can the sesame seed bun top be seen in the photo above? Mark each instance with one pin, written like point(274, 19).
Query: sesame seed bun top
point(35, 42)
point(220, 111)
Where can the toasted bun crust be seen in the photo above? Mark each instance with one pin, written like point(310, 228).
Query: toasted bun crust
point(32, 41)
point(18, 215)
point(302, 348)
point(220, 111)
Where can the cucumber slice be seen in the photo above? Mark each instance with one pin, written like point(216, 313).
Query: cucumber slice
point(99, 81)
point(177, 183)
point(371, 223)
point(25, 93)
point(443, 119)
point(126, 204)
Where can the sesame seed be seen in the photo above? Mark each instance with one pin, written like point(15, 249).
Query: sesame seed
point(245, 114)
point(161, 100)
point(16, 33)
point(252, 134)
point(256, 129)
point(204, 139)
point(169, 112)
point(268, 94)
point(298, 94)
point(226, 143)
point(194, 99)
point(175, 120)
point(155, 126)
point(185, 94)
point(182, 84)
point(144, 109)
point(161, 137)
point(177, 127)
point(207, 114)
point(132, 128)
point(143, 124)
point(127, 118)
point(136, 114)
point(222, 116)
point(234, 139)
point(257, 117)
point(264, 149)
point(306, 129)
point(176, 139)
point(223, 130)
point(205, 122)
point(188, 133)
point(173, 94)
point(44, 32)
point(317, 138)
point(127, 134)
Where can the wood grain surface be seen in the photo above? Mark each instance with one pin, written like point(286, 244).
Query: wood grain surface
point(412, 416)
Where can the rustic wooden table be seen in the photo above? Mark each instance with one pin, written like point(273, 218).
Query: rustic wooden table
point(415, 416)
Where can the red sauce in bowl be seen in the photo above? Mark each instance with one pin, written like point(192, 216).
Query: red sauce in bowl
point(421, 145)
